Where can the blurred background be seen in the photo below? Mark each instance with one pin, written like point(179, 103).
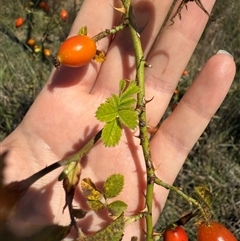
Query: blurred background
point(31, 32)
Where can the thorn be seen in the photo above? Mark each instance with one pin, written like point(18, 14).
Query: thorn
point(127, 80)
point(147, 101)
point(137, 136)
point(152, 129)
point(140, 29)
point(121, 9)
point(144, 231)
point(147, 65)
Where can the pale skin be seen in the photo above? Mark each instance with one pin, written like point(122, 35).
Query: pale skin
point(61, 120)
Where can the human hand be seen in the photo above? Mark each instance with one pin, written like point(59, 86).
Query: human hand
point(62, 118)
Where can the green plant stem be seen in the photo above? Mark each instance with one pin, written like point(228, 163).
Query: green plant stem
point(66, 161)
point(190, 200)
point(134, 218)
point(112, 31)
point(141, 102)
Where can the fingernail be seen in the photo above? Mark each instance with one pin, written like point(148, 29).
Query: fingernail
point(224, 52)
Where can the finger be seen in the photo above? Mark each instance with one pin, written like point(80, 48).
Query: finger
point(96, 16)
point(180, 131)
point(120, 60)
point(170, 57)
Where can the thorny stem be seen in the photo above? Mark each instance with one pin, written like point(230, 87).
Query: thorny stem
point(141, 102)
point(64, 162)
point(112, 31)
point(190, 200)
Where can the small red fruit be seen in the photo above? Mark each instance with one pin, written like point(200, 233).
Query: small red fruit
point(31, 42)
point(64, 14)
point(175, 234)
point(19, 22)
point(76, 51)
point(214, 232)
point(44, 6)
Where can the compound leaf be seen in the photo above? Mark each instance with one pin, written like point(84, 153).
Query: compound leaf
point(127, 103)
point(106, 112)
point(89, 190)
point(116, 208)
point(111, 133)
point(130, 91)
point(122, 86)
point(95, 205)
point(113, 185)
point(113, 232)
point(128, 118)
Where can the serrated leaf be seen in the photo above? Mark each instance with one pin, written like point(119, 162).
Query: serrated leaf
point(113, 185)
point(89, 190)
point(106, 112)
point(113, 232)
point(130, 91)
point(95, 205)
point(111, 133)
point(116, 208)
point(114, 100)
point(128, 118)
point(127, 103)
point(122, 86)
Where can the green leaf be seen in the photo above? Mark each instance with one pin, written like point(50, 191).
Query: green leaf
point(117, 111)
point(127, 103)
point(128, 118)
point(113, 185)
point(95, 205)
point(130, 91)
point(114, 100)
point(89, 190)
point(106, 112)
point(111, 133)
point(113, 232)
point(116, 208)
point(122, 86)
